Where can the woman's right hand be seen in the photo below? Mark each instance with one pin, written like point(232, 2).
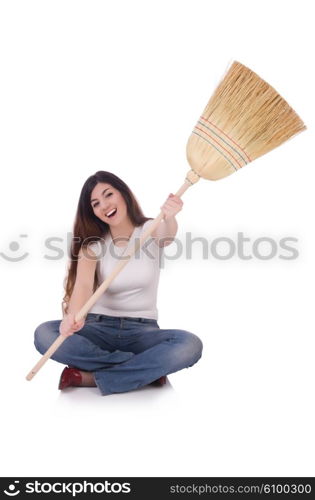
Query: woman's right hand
point(68, 325)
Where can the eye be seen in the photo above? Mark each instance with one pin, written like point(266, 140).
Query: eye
point(106, 196)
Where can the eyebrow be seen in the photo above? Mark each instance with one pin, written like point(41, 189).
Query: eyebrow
point(95, 199)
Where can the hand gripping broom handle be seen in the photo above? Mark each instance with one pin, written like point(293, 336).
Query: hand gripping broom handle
point(191, 178)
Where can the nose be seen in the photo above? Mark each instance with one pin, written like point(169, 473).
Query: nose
point(104, 206)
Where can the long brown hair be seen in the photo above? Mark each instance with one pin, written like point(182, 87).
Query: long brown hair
point(88, 228)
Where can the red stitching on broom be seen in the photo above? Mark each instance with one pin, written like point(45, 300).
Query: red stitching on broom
point(219, 145)
point(206, 120)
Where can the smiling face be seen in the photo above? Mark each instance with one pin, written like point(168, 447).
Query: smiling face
point(106, 200)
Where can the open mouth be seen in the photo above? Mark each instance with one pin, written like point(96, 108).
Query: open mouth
point(112, 213)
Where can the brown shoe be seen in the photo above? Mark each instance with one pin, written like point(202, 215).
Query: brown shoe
point(70, 377)
point(160, 381)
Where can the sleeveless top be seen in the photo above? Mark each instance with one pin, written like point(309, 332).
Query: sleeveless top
point(133, 292)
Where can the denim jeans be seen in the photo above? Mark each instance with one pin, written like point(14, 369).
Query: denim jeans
point(123, 353)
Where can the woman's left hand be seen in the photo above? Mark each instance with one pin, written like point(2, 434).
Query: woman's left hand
point(172, 206)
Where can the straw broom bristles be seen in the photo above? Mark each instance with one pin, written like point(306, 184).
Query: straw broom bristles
point(244, 119)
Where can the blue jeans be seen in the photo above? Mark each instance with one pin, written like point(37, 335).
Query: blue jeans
point(122, 353)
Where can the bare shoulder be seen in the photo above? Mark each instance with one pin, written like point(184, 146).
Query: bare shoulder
point(87, 253)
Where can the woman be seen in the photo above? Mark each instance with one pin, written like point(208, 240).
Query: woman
point(119, 345)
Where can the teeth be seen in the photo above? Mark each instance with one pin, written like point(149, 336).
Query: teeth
point(110, 212)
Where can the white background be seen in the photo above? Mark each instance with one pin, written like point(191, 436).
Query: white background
point(118, 86)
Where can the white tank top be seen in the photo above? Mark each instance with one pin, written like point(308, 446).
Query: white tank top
point(133, 292)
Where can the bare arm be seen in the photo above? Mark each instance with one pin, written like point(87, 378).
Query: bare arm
point(167, 229)
point(83, 288)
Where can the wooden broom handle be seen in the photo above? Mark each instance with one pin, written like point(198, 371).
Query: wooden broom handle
point(191, 178)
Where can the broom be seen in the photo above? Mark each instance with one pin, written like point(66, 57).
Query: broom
point(244, 119)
